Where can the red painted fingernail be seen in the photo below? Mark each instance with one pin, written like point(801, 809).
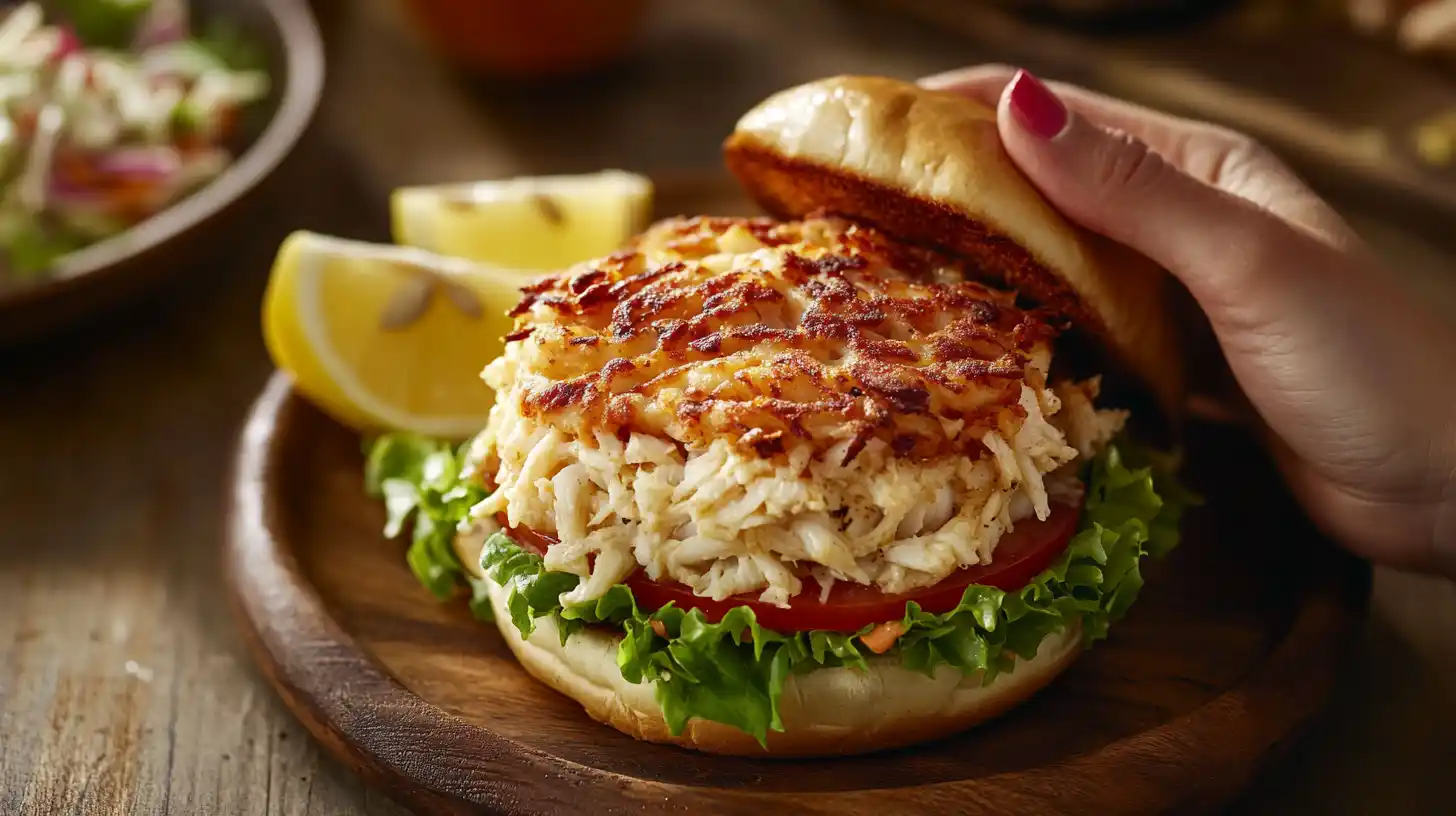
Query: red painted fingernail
point(1035, 107)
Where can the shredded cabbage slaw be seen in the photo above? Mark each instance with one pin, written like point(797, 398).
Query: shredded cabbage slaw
point(108, 118)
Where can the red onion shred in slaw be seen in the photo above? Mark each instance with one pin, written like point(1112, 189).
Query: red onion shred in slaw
point(108, 117)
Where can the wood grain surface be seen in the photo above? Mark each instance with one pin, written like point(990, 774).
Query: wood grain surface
point(1234, 644)
point(115, 440)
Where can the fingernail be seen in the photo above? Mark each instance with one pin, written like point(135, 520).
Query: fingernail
point(1035, 107)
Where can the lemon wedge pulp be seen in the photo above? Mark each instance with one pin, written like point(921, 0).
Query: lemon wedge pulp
point(543, 223)
point(385, 337)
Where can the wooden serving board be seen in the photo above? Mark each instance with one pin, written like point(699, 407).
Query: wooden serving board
point(1233, 646)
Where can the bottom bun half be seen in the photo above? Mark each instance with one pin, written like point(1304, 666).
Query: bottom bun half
point(825, 712)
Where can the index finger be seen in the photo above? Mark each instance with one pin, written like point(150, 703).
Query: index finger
point(1184, 143)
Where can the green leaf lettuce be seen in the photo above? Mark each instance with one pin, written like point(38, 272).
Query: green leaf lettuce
point(421, 480)
point(733, 671)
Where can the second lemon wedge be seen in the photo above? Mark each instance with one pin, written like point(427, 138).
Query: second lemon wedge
point(385, 337)
point(541, 223)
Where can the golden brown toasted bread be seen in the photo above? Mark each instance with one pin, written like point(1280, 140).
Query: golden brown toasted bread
point(928, 167)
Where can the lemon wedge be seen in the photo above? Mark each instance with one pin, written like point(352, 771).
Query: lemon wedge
point(385, 337)
point(543, 223)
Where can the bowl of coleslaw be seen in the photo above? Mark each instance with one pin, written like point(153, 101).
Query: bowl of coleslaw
point(127, 127)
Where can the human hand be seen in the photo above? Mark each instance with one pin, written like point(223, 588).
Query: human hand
point(1353, 376)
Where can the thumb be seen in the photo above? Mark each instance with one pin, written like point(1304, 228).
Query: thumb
point(1116, 185)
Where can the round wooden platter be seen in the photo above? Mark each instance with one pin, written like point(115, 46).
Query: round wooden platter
point(1234, 644)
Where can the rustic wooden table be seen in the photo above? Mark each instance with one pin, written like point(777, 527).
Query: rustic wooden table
point(123, 686)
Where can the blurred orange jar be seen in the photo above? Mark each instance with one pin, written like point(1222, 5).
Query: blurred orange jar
point(528, 38)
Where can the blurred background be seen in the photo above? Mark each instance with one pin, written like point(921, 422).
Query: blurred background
point(1358, 94)
point(1341, 87)
point(116, 430)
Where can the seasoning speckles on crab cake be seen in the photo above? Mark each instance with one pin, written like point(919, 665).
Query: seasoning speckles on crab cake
point(748, 406)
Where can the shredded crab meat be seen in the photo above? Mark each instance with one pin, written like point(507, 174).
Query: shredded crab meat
point(765, 408)
point(727, 523)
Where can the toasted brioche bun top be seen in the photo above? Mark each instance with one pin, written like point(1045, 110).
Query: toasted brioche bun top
point(929, 167)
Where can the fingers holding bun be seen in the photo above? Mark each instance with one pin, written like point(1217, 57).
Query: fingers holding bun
point(928, 167)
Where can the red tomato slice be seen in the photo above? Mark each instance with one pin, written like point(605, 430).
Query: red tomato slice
point(1021, 555)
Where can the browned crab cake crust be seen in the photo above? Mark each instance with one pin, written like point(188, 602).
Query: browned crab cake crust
point(771, 332)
